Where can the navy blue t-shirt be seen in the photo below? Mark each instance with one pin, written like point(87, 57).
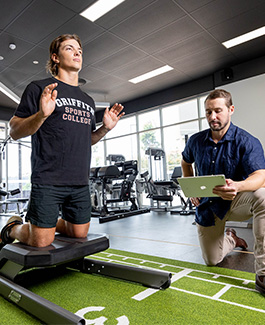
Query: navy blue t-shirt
point(236, 155)
point(61, 148)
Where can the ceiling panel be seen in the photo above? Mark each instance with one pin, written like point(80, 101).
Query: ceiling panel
point(219, 11)
point(167, 80)
point(90, 73)
point(20, 86)
point(11, 56)
point(137, 68)
point(216, 53)
point(190, 46)
point(10, 10)
point(173, 33)
point(76, 5)
point(128, 91)
point(45, 16)
point(153, 17)
point(84, 28)
point(105, 84)
point(191, 5)
point(133, 38)
point(103, 46)
point(6, 101)
point(245, 51)
point(12, 78)
point(26, 62)
point(239, 25)
point(125, 10)
point(119, 59)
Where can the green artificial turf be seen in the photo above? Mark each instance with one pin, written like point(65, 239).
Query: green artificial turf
point(192, 299)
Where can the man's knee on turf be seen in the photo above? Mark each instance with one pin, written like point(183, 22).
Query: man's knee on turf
point(211, 260)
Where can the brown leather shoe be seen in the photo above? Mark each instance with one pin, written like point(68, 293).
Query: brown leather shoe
point(260, 283)
point(240, 242)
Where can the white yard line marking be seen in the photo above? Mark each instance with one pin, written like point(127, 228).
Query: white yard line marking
point(180, 275)
point(221, 283)
point(215, 275)
point(221, 300)
point(148, 292)
point(185, 273)
point(222, 291)
point(144, 294)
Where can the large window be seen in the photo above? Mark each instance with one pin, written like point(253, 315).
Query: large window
point(180, 112)
point(149, 120)
point(167, 127)
point(148, 139)
point(175, 138)
point(125, 126)
point(126, 146)
point(97, 152)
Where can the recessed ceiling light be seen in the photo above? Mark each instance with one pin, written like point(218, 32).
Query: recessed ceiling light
point(35, 62)
point(99, 8)
point(1, 58)
point(12, 46)
point(151, 74)
point(245, 37)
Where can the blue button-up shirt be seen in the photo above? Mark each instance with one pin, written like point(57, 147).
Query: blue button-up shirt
point(236, 155)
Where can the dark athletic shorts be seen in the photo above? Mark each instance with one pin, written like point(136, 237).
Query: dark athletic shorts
point(47, 200)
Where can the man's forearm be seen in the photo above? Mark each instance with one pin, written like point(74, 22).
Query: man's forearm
point(23, 127)
point(187, 169)
point(98, 134)
point(255, 181)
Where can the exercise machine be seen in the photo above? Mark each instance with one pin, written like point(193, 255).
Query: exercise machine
point(162, 193)
point(186, 206)
point(157, 165)
point(8, 201)
point(159, 192)
point(113, 159)
point(19, 262)
point(116, 181)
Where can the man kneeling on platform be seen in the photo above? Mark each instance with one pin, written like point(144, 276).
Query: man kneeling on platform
point(227, 149)
point(60, 118)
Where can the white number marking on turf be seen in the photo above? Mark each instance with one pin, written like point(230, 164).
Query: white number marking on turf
point(122, 320)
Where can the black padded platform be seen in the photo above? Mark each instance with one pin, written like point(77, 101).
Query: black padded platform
point(62, 250)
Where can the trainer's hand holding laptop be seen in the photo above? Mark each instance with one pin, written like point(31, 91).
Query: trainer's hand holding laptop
point(196, 187)
point(227, 191)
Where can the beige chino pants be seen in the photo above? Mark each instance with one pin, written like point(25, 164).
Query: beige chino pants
point(215, 246)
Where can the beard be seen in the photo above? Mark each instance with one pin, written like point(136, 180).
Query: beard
point(219, 125)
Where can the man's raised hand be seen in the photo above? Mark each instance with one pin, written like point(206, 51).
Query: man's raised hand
point(47, 100)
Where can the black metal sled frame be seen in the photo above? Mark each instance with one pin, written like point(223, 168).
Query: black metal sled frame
point(64, 253)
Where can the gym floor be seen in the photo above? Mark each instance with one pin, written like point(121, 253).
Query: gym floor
point(171, 236)
point(167, 235)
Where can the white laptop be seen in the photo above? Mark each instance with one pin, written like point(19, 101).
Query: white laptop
point(200, 186)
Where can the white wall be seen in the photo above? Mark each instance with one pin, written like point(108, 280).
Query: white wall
point(249, 101)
